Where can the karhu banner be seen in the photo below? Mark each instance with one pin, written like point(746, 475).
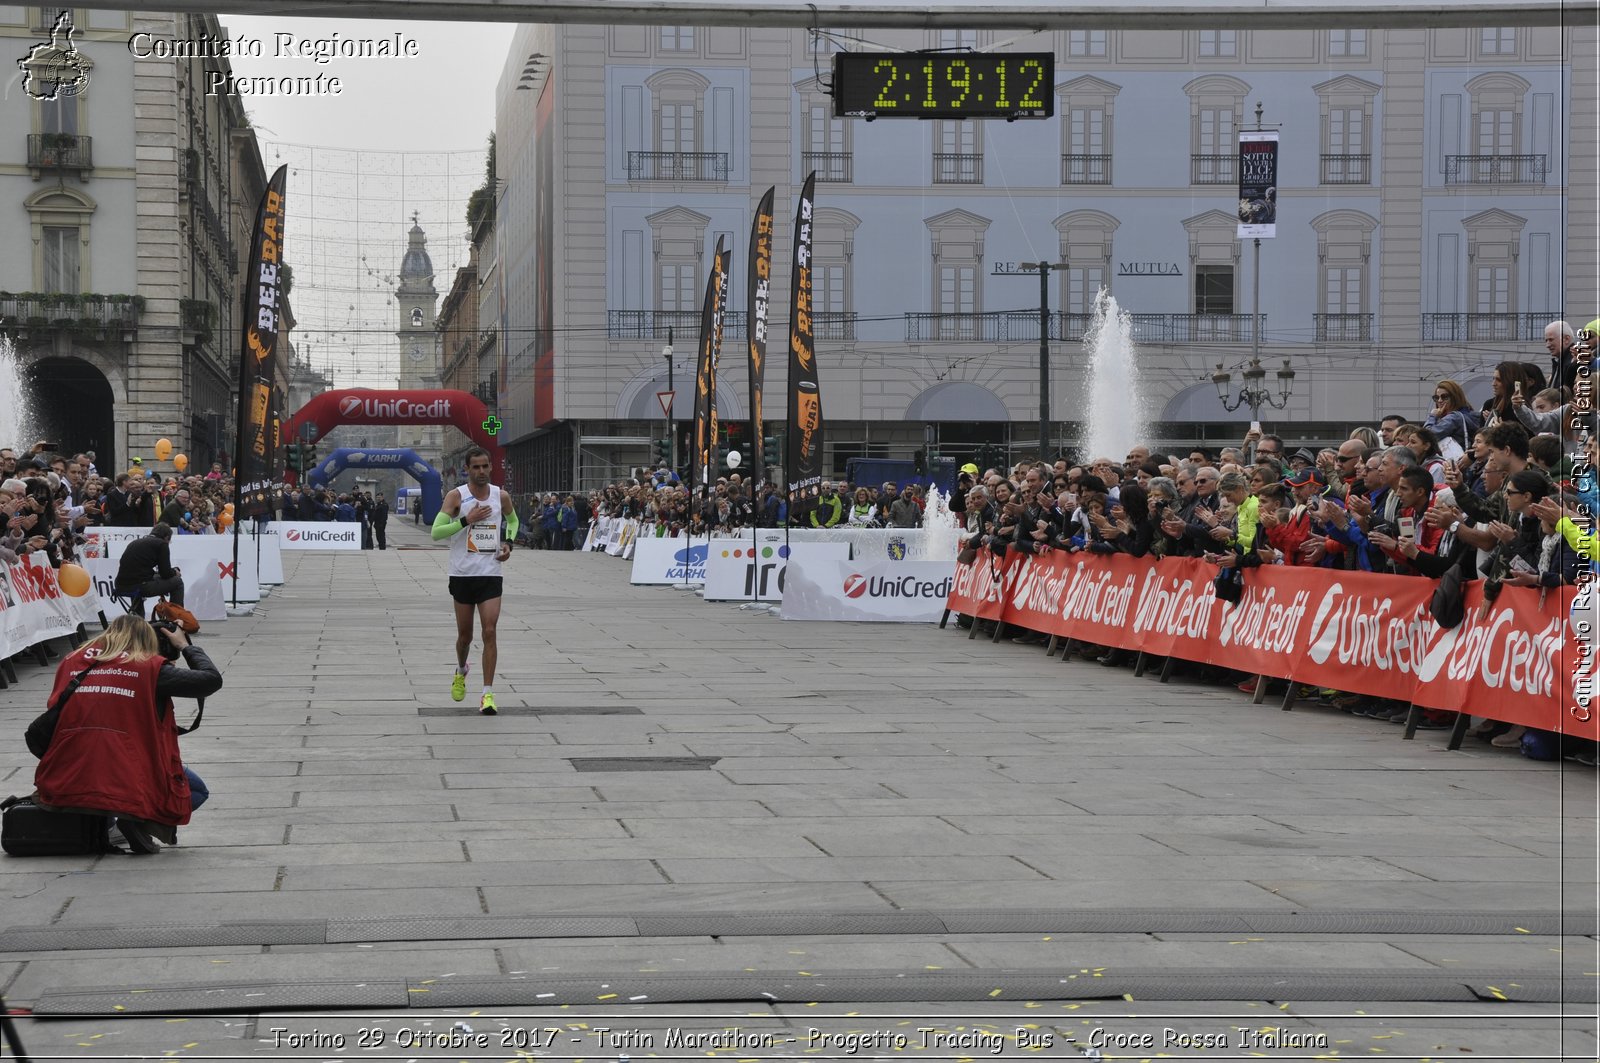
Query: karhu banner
point(256, 450)
point(802, 461)
point(1258, 184)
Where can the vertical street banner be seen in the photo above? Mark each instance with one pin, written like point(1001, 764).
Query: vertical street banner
point(1258, 184)
point(255, 452)
point(759, 295)
point(705, 381)
point(802, 458)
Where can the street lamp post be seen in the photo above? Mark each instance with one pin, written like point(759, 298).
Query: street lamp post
point(1254, 394)
point(1044, 269)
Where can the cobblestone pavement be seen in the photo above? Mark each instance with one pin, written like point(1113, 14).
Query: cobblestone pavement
point(876, 841)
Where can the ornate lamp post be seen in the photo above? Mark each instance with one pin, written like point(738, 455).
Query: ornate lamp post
point(1254, 393)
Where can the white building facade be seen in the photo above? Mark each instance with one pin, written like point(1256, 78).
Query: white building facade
point(1423, 229)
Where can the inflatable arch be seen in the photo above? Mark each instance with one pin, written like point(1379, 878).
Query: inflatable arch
point(401, 459)
point(368, 406)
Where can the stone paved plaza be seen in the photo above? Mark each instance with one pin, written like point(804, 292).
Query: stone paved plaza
point(885, 841)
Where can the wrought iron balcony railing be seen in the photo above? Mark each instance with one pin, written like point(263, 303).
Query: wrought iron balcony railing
point(1463, 328)
point(1085, 169)
point(677, 166)
point(1213, 169)
point(1495, 169)
point(60, 151)
point(653, 324)
point(951, 169)
point(998, 326)
point(1342, 328)
point(828, 165)
point(833, 325)
point(1347, 169)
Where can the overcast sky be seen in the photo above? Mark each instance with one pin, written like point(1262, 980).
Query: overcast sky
point(441, 100)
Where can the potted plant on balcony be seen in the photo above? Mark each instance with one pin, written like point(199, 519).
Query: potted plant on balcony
point(55, 148)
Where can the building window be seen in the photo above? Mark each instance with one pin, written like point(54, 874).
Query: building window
point(675, 127)
point(825, 42)
point(958, 40)
point(1218, 44)
point(677, 38)
point(958, 289)
point(1492, 290)
point(59, 115)
point(1087, 105)
point(1347, 44)
point(958, 153)
point(1496, 132)
point(1086, 43)
point(1213, 289)
point(1341, 289)
point(677, 286)
point(61, 258)
point(828, 287)
point(1497, 40)
point(1082, 284)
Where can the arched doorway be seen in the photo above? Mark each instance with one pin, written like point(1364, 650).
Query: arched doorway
point(72, 407)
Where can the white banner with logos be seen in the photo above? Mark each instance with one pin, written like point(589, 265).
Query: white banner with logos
point(318, 535)
point(33, 607)
point(204, 593)
point(883, 591)
point(670, 561)
point(746, 569)
point(266, 546)
point(194, 554)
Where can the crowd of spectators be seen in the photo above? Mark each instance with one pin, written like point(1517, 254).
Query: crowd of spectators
point(1502, 494)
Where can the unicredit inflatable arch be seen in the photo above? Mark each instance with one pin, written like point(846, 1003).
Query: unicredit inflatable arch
point(368, 406)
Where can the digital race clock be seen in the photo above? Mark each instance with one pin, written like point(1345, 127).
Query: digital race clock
point(944, 84)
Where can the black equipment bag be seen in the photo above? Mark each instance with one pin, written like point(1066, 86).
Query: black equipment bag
point(28, 830)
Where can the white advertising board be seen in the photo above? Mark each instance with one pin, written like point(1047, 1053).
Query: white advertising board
point(204, 593)
point(318, 535)
point(882, 591)
point(267, 547)
point(194, 554)
point(670, 561)
point(739, 570)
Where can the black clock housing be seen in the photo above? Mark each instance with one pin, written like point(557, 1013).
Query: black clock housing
point(944, 84)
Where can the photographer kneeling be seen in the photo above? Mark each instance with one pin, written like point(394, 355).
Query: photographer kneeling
point(110, 746)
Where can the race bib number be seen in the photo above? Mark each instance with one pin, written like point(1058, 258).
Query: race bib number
point(483, 538)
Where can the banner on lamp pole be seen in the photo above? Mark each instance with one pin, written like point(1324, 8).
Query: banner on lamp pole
point(1258, 185)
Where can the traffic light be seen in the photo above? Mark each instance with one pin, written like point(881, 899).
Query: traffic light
point(663, 449)
point(722, 456)
point(772, 450)
point(291, 457)
point(308, 456)
point(919, 461)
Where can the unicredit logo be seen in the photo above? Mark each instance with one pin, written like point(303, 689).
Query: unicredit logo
point(398, 409)
point(321, 536)
point(857, 585)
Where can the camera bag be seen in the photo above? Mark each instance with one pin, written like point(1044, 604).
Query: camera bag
point(28, 830)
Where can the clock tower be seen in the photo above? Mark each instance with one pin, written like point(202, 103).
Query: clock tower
point(418, 302)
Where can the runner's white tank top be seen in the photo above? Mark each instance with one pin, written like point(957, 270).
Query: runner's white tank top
point(473, 548)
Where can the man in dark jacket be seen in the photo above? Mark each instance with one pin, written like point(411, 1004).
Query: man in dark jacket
point(146, 567)
point(380, 521)
point(129, 505)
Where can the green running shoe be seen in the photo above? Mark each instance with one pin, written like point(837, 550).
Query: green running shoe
point(458, 685)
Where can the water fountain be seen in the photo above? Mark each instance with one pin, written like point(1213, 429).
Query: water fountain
point(940, 531)
point(17, 422)
point(1116, 404)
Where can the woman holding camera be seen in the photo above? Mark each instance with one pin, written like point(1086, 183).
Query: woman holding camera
point(111, 747)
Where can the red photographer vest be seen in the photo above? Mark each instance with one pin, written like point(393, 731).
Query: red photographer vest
point(111, 751)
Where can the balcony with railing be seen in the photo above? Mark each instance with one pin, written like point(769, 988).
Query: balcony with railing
point(997, 326)
point(654, 324)
point(31, 316)
point(1085, 169)
point(1495, 169)
point(59, 152)
point(1213, 169)
point(950, 169)
point(1347, 169)
point(1342, 328)
point(828, 165)
point(678, 166)
point(834, 325)
point(1465, 328)
point(487, 391)
point(1197, 328)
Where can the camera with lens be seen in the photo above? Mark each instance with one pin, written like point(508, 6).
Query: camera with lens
point(169, 649)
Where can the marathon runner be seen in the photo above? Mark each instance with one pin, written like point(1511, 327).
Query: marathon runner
point(478, 546)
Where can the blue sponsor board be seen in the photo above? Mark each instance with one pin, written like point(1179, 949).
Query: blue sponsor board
point(669, 561)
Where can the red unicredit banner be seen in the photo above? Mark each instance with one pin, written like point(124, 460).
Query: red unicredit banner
point(370, 406)
point(1521, 660)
